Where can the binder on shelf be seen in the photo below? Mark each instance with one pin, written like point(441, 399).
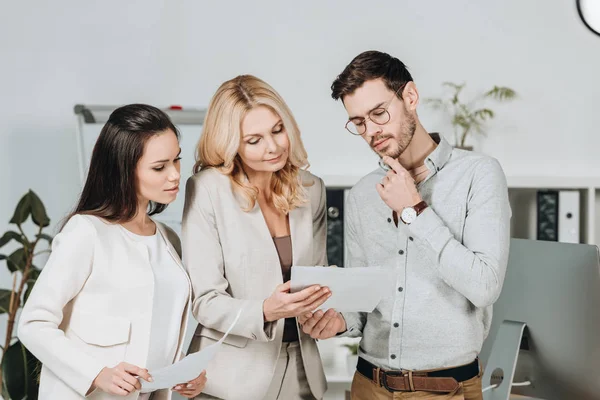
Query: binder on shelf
point(558, 216)
point(547, 215)
point(335, 226)
point(568, 216)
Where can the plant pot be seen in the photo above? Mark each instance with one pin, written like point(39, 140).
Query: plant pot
point(351, 361)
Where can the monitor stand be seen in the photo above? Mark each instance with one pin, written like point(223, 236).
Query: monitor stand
point(501, 365)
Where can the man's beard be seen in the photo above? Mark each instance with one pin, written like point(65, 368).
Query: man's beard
point(407, 131)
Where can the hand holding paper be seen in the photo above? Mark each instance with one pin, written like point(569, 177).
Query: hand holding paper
point(281, 304)
point(188, 368)
point(192, 388)
point(352, 289)
point(323, 325)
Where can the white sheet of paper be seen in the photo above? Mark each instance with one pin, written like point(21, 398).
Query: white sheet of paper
point(352, 289)
point(187, 368)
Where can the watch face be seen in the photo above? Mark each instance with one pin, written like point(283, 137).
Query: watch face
point(408, 215)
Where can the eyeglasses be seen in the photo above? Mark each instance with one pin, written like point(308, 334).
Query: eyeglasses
point(380, 116)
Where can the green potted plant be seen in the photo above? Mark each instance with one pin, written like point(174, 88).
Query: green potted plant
point(352, 358)
point(19, 369)
point(469, 117)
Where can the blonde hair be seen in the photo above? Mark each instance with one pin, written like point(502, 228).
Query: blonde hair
point(221, 136)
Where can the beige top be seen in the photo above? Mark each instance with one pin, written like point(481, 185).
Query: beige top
point(283, 244)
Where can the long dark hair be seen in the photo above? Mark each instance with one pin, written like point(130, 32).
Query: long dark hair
point(110, 190)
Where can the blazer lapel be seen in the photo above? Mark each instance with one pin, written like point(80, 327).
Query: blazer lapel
point(188, 306)
point(302, 235)
point(174, 254)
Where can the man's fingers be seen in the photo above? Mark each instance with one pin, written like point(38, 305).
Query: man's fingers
point(394, 164)
point(304, 317)
point(337, 322)
point(311, 322)
point(322, 324)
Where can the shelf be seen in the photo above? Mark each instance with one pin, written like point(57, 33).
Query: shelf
point(340, 181)
point(552, 182)
point(514, 182)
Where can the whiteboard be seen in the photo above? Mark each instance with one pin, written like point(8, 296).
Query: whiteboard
point(91, 119)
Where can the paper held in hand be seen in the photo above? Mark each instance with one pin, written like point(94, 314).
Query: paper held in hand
point(357, 289)
point(187, 368)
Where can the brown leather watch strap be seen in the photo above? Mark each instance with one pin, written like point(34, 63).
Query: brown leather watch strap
point(420, 207)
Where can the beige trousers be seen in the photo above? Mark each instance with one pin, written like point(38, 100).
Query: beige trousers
point(365, 389)
point(289, 381)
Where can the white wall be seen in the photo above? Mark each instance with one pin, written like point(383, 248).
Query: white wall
point(56, 54)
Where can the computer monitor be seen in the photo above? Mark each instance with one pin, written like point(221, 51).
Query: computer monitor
point(553, 288)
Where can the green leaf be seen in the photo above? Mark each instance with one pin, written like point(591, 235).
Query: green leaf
point(11, 265)
point(45, 237)
point(4, 300)
point(454, 86)
point(14, 371)
point(10, 235)
point(501, 93)
point(483, 114)
point(17, 260)
point(19, 369)
point(22, 211)
point(435, 103)
point(34, 273)
point(457, 89)
point(38, 211)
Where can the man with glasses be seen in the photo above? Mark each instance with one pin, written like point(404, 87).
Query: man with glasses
point(440, 217)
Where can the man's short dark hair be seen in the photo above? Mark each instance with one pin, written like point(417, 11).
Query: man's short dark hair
point(367, 66)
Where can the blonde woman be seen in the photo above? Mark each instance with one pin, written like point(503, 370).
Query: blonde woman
point(251, 212)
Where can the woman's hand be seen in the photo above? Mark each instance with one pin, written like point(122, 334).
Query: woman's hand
point(283, 304)
point(121, 379)
point(193, 388)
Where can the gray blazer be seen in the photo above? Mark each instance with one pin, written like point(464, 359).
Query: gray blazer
point(233, 263)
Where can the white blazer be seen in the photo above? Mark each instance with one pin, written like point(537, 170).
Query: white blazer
point(91, 308)
point(233, 263)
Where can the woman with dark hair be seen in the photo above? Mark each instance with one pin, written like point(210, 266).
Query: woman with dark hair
point(113, 299)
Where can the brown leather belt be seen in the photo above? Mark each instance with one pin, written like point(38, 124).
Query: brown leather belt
point(441, 381)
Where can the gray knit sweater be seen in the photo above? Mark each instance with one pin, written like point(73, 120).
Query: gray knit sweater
point(450, 263)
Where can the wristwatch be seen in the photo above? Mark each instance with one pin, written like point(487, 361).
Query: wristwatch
point(409, 214)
